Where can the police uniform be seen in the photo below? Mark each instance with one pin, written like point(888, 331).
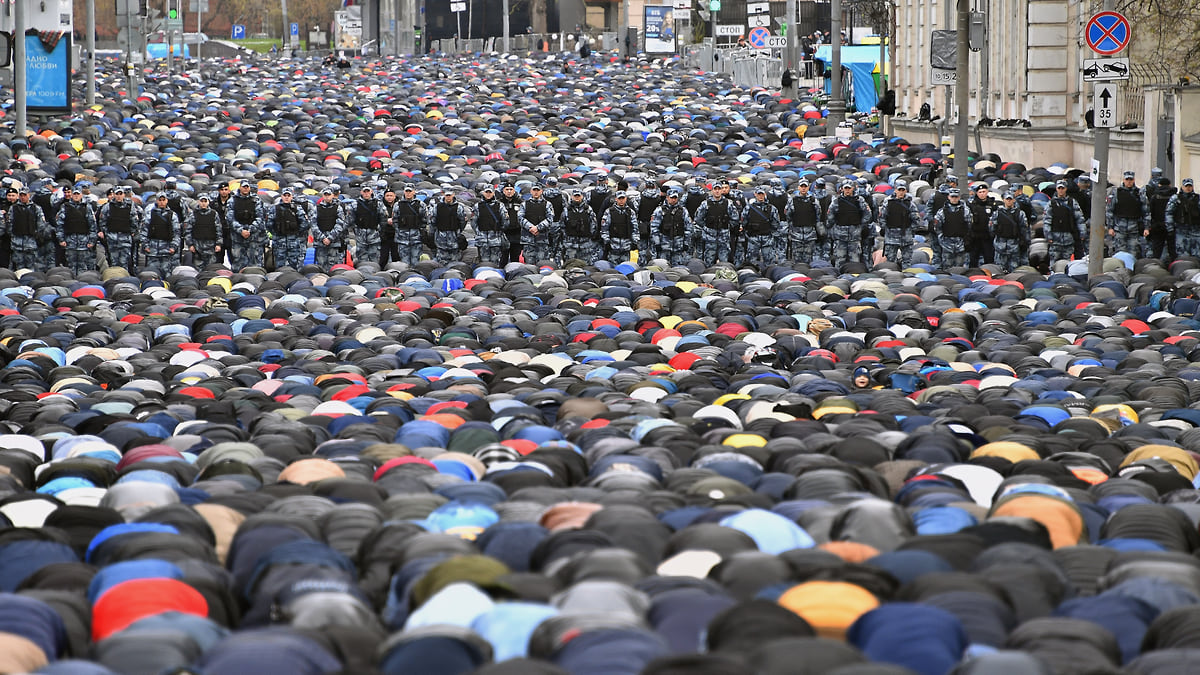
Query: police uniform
point(1128, 215)
point(76, 233)
point(408, 218)
point(205, 234)
point(1183, 217)
point(367, 216)
point(716, 223)
point(119, 224)
point(289, 227)
point(581, 238)
point(247, 217)
point(952, 226)
point(1010, 235)
point(1062, 222)
point(538, 213)
point(671, 231)
point(27, 226)
point(448, 220)
point(762, 231)
point(619, 230)
point(329, 225)
point(806, 226)
point(160, 237)
point(847, 217)
point(491, 220)
point(898, 219)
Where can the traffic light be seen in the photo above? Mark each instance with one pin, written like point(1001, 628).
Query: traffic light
point(173, 9)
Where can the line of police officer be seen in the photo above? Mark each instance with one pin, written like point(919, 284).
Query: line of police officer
point(715, 224)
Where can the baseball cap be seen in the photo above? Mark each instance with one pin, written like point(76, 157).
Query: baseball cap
point(287, 191)
point(409, 187)
point(954, 192)
point(803, 181)
point(327, 191)
point(487, 188)
point(621, 195)
point(901, 185)
point(1129, 174)
point(1188, 181)
point(535, 186)
point(223, 185)
point(552, 181)
point(1063, 183)
point(1009, 195)
point(760, 190)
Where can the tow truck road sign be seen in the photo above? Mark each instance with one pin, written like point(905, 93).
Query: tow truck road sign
point(1102, 70)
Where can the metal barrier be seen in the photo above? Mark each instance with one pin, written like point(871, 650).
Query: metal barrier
point(527, 43)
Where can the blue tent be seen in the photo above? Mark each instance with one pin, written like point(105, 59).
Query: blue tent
point(861, 61)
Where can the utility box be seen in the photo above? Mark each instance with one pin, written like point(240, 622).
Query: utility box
point(977, 32)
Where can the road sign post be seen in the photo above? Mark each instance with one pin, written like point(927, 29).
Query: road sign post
point(238, 32)
point(1107, 33)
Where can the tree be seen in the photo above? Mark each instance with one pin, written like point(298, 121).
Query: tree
point(1164, 32)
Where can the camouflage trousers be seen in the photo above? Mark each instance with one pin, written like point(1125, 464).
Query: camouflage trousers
point(898, 247)
point(580, 248)
point(538, 252)
point(25, 254)
point(246, 253)
point(845, 245)
point(328, 256)
point(954, 252)
point(118, 248)
point(713, 245)
point(675, 251)
point(366, 246)
point(408, 249)
point(763, 249)
point(804, 245)
point(1187, 242)
point(206, 254)
point(620, 250)
point(1008, 254)
point(290, 251)
point(80, 259)
point(160, 259)
point(1062, 246)
point(1127, 237)
point(365, 253)
point(491, 246)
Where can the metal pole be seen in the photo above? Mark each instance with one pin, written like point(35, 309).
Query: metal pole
point(891, 55)
point(984, 72)
point(19, 67)
point(962, 87)
point(837, 107)
point(287, 27)
point(1099, 190)
point(623, 29)
point(199, 29)
point(790, 59)
point(91, 52)
point(507, 35)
